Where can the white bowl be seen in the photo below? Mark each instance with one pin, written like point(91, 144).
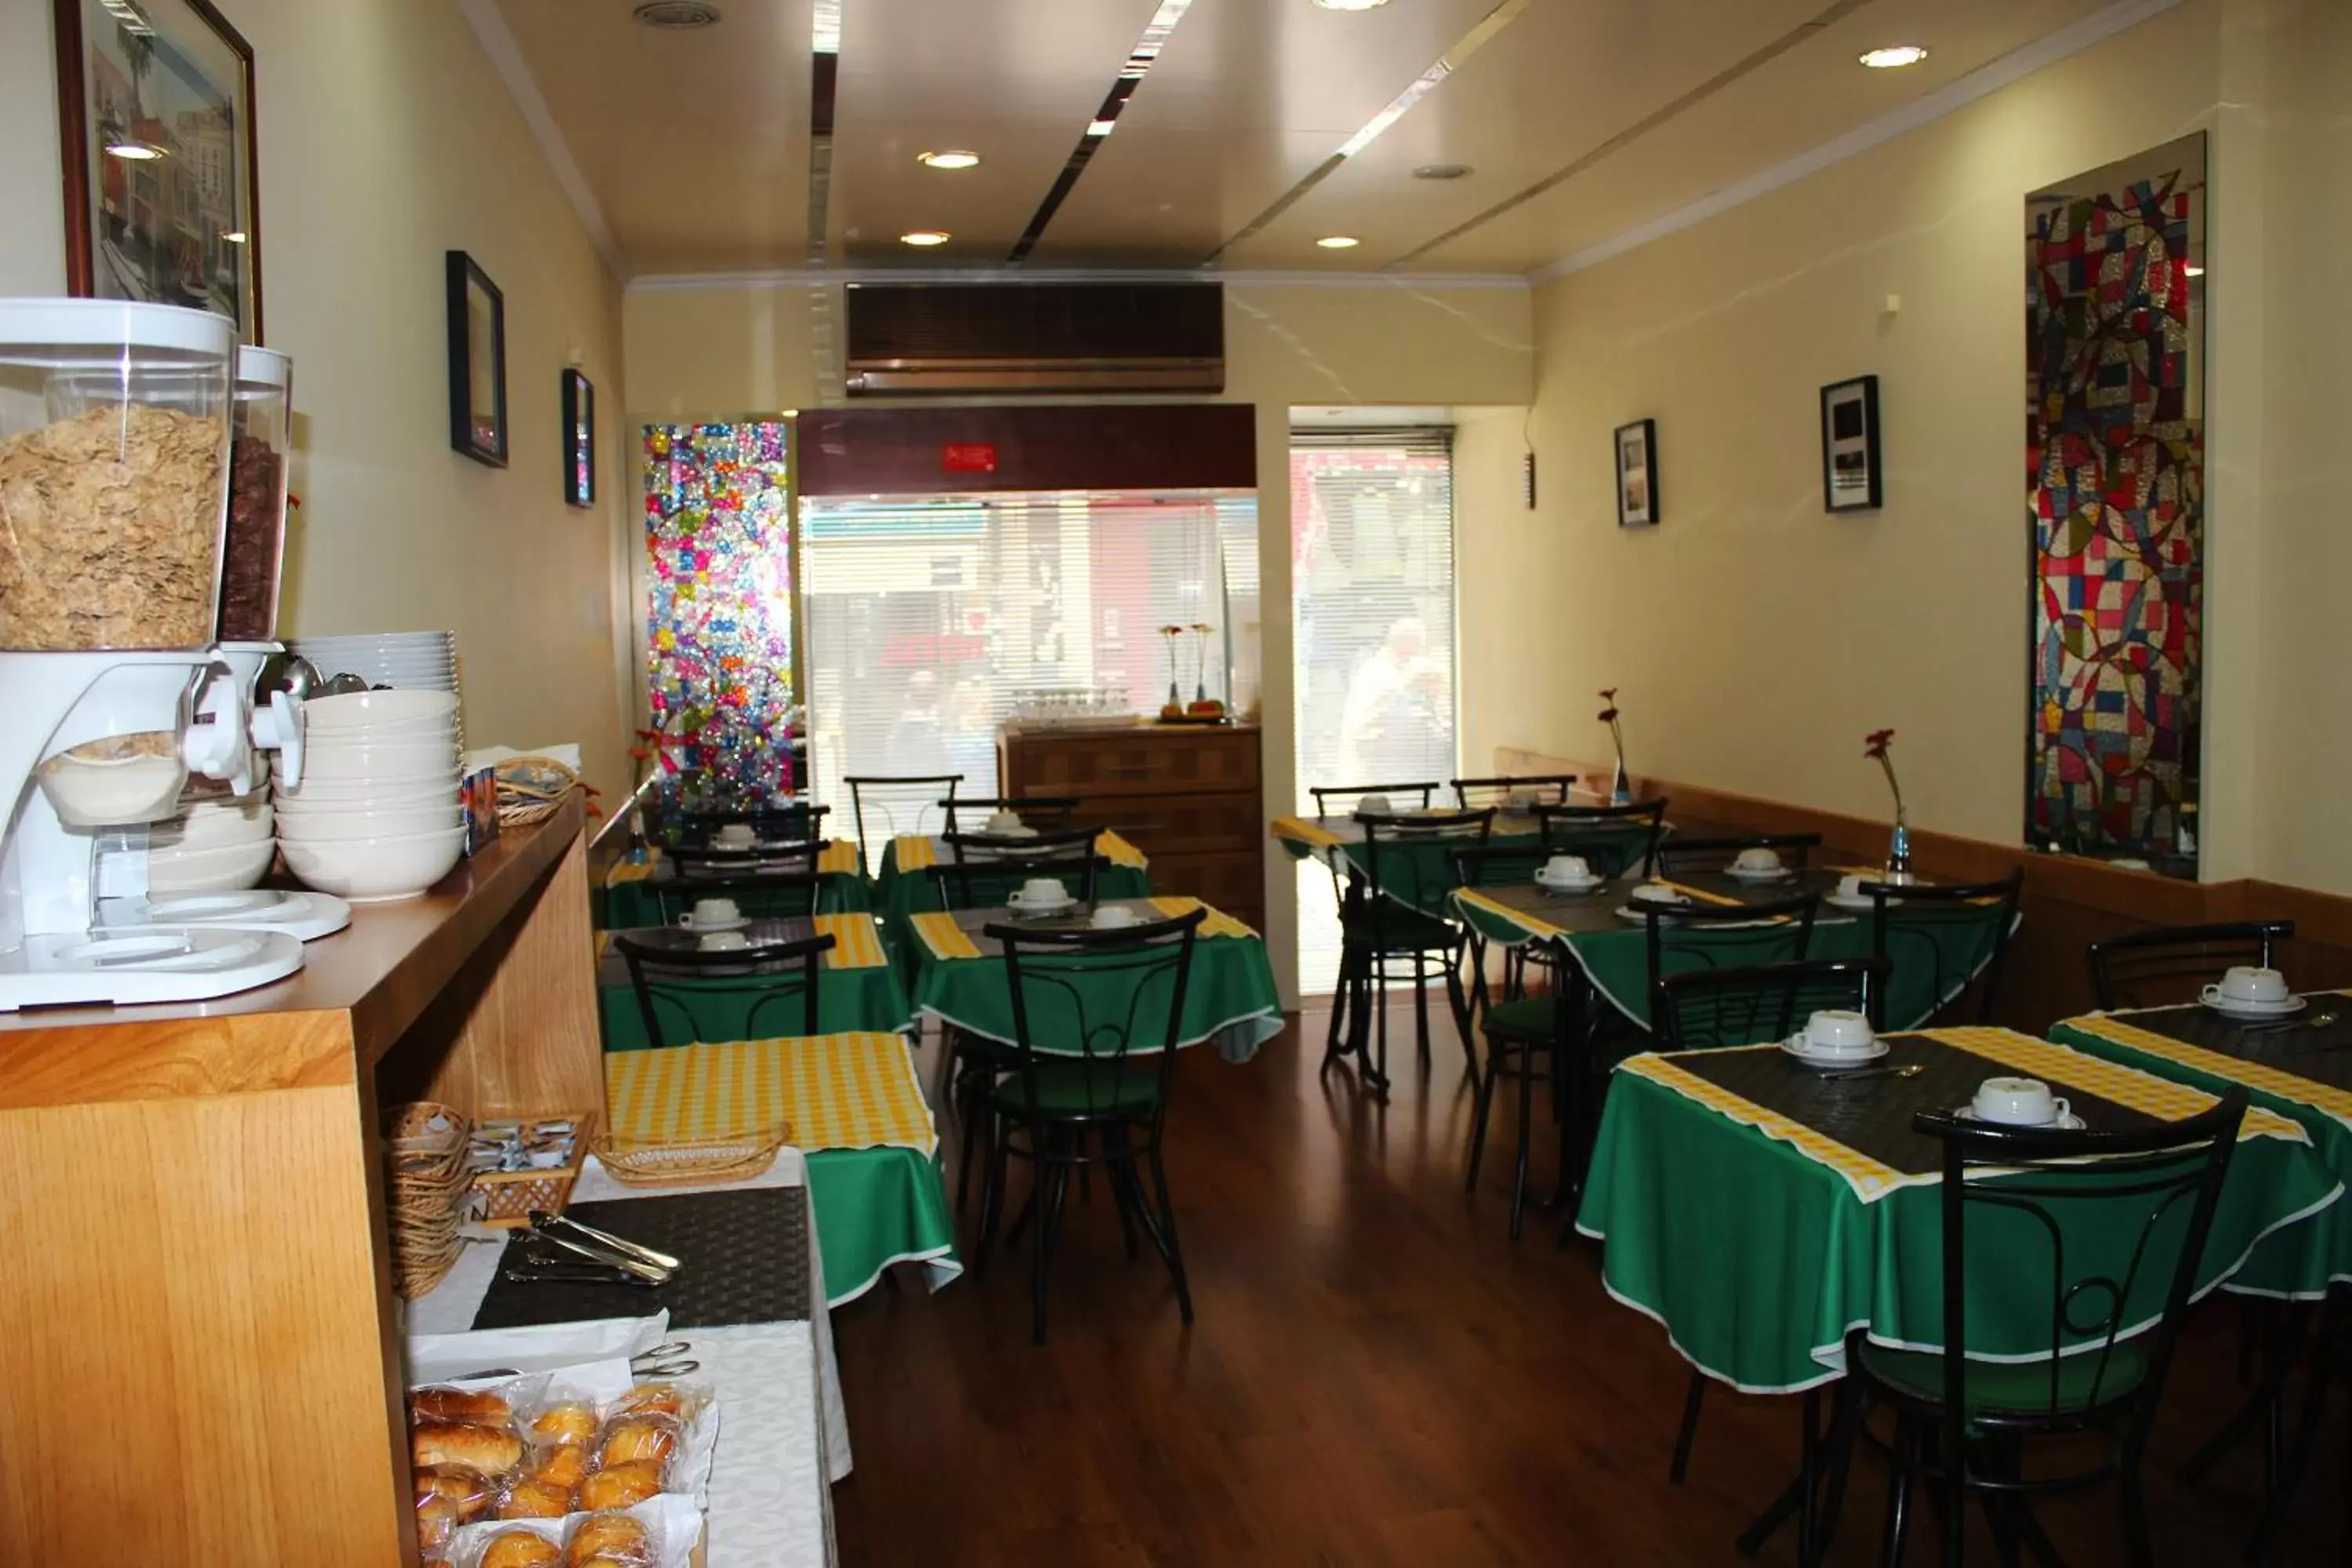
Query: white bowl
point(375, 870)
point(393, 822)
point(359, 709)
point(226, 868)
point(202, 829)
point(404, 762)
point(327, 797)
point(436, 732)
point(86, 793)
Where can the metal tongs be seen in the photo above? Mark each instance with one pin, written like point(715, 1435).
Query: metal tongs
point(603, 1249)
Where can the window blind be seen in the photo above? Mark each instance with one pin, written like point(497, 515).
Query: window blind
point(931, 619)
point(1371, 533)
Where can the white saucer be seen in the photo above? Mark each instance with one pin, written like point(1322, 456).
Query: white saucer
point(1776, 874)
point(1019, 907)
point(2070, 1122)
point(1634, 913)
point(1586, 886)
point(689, 922)
point(2258, 1009)
point(1007, 834)
point(1841, 902)
point(1830, 1061)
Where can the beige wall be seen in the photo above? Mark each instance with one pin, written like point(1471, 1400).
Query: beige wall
point(386, 139)
point(1504, 611)
point(1755, 638)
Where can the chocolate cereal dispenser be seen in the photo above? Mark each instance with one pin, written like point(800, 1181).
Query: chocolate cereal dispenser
point(253, 553)
point(115, 467)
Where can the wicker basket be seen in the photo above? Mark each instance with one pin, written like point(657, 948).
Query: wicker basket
point(427, 1193)
point(733, 1157)
point(509, 1197)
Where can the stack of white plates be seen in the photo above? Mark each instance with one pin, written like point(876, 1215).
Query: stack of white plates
point(424, 661)
point(377, 815)
point(212, 846)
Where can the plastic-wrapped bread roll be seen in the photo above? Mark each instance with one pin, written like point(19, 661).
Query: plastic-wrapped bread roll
point(535, 1500)
point(574, 1421)
point(609, 1538)
point(565, 1466)
point(639, 1440)
point(521, 1549)
point(622, 1486)
point(476, 1407)
point(485, 1451)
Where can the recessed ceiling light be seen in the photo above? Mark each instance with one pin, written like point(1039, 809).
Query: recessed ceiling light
point(1441, 171)
point(949, 160)
point(133, 151)
point(1102, 128)
point(1338, 242)
point(234, 236)
point(926, 237)
point(1894, 56)
point(1351, 4)
point(676, 15)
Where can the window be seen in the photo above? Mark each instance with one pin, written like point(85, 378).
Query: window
point(931, 620)
point(1371, 537)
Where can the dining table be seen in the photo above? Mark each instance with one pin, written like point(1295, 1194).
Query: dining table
point(636, 890)
point(857, 990)
point(1229, 1000)
point(904, 886)
point(1760, 1211)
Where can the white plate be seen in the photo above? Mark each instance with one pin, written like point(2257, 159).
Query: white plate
point(1840, 902)
point(687, 922)
point(1830, 1061)
point(1776, 874)
point(2070, 1122)
point(2258, 1009)
point(1634, 911)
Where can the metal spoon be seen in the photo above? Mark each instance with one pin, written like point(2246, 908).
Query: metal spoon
point(2317, 1021)
point(1911, 1069)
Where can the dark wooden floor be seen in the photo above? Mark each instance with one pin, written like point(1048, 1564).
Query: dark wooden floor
point(1377, 1374)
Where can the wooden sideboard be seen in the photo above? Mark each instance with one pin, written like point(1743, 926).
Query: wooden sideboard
point(202, 1354)
point(1189, 798)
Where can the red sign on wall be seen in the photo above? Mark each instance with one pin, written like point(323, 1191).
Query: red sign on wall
point(968, 457)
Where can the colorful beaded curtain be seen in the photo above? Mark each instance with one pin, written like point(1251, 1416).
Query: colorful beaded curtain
point(719, 613)
point(2116, 473)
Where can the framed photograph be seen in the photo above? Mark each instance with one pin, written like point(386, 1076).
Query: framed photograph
point(1850, 476)
point(155, 120)
point(477, 362)
point(1637, 474)
point(578, 439)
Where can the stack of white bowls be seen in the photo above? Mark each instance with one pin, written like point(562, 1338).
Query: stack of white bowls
point(422, 661)
point(221, 845)
point(376, 817)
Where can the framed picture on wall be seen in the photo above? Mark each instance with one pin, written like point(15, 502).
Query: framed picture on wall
point(1637, 474)
point(477, 362)
point(155, 120)
point(1850, 475)
point(578, 439)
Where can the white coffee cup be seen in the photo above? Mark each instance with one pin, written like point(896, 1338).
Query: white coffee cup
point(1850, 885)
point(734, 836)
point(1043, 891)
point(1114, 917)
point(1836, 1031)
point(723, 941)
point(1756, 858)
point(1525, 797)
point(1003, 822)
point(2244, 983)
point(1657, 893)
point(712, 912)
point(1566, 868)
point(1372, 806)
point(2017, 1102)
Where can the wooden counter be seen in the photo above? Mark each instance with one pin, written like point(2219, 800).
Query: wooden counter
point(199, 1350)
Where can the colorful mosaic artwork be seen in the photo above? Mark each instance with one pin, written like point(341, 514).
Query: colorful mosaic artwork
point(2115, 473)
point(718, 615)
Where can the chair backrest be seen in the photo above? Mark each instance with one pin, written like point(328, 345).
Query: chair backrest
point(1548, 789)
point(1408, 860)
point(1099, 998)
point(1049, 812)
point(1754, 1005)
point(1613, 839)
point(758, 895)
point(2114, 1225)
point(1683, 937)
point(979, 874)
point(2170, 964)
point(790, 857)
point(782, 824)
point(1679, 857)
point(744, 994)
point(1338, 800)
point(1942, 940)
point(883, 806)
point(1496, 865)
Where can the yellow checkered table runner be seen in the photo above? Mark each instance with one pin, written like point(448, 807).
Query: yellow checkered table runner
point(838, 1092)
point(1219, 923)
point(2118, 1028)
point(948, 940)
point(1304, 830)
point(626, 872)
point(916, 851)
point(1870, 1179)
point(857, 942)
point(1537, 929)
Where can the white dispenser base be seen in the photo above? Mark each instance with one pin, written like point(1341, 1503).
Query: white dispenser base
point(305, 916)
point(159, 965)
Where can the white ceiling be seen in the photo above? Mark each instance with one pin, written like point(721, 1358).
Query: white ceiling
point(695, 147)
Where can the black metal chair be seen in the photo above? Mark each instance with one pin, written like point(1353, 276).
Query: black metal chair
point(669, 972)
point(1959, 933)
point(1680, 939)
point(1047, 812)
point(1551, 789)
point(1679, 857)
point(2143, 1202)
point(774, 857)
point(1706, 1009)
point(1074, 1074)
point(1340, 800)
point(1612, 839)
point(1384, 923)
point(2169, 963)
point(758, 895)
point(689, 830)
point(898, 803)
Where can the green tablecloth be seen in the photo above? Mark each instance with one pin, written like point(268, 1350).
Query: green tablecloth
point(902, 889)
point(1758, 1257)
point(1416, 872)
point(859, 990)
point(630, 897)
point(875, 1207)
point(2301, 1262)
point(1230, 999)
